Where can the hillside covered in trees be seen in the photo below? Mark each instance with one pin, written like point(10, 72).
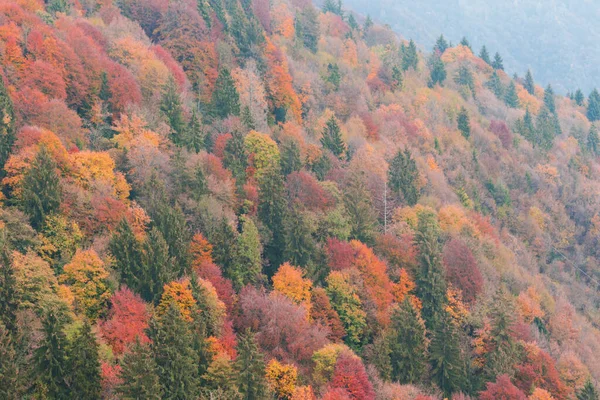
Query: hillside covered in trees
point(255, 199)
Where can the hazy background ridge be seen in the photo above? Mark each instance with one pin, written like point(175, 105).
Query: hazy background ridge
point(558, 40)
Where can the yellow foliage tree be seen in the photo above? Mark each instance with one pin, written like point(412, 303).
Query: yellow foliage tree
point(324, 360)
point(263, 150)
point(289, 282)
point(282, 379)
point(179, 294)
point(87, 278)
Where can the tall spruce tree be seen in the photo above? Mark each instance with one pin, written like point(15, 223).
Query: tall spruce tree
point(250, 368)
point(41, 190)
point(272, 207)
point(172, 108)
point(333, 75)
point(195, 136)
point(84, 365)
point(431, 284)
point(171, 223)
point(593, 110)
point(14, 364)
point(299, 243)
point(7, 126)
point(547, 128)
point(593, 141)
point(448, 368)
point(579, 97)
point(291, 160)
point(127, 252)
point(224, 239)
point(438, 72)
point(331, 138)
point(158, 266)
point(511, 98)
point(9, 301)
point(407, 344)
point(485, 56)
point(588, 392)
point(51, 372)
point(359, 205)
point(498, 63)
point(397, 80)
point(529, 83)
point(464, 125)
point(307, 28)
point(333, 6)
point(465, 42)
point(235, 157)
point(403, 175)
point(172, 346)
point(225, 98)
point(549, 99)
point(410, 58)
point(247, 265)
point(441, 45)
point(501, 360)
point(139, 376)
point(495, 85)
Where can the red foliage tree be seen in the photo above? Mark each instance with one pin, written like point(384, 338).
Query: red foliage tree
point(350, 374)
point(340, 254)
point(462, 270)
point(500, 129)
point(337, 394)
point(304, 188)
point(322, 313)
point(127, 319)
point(503, 389)
point(539, 370)
point(212, 273)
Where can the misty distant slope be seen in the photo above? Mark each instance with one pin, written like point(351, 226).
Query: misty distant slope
point(558, 40)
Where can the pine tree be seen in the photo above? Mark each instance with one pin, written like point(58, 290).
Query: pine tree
point(235, 157)
point(359, 205)
point(290, 157)
point(172, 346)
point(195, 136)
point(331, 138)
point(225, 98)
point(593, 110)
point(431, 284)
point(448, 369)
point(410, 58)
point(50, 359)
point(7, 126)
point(127, 252)
point(464, 126)
point(333, 75)
point(139, 374)
point(441, 45)
point(171, 107)
point(498, 63)
point(9, 301)
point(403, 175)
point(511, 98)
point(158, 267)
point(485, 56)
point(272, 208)
point(593, 141)
point(14, 363)
point(588, 392)
point(171, 223)
point(41, 188)
point(397, 80)
point(529, 83)
point(84, 365)
point(408, 344)
point(438, 72)
point(495, 85)
point(299, 243)
point(247, 267)
point(465, 42)
point(549, 99)
point(525, 127)
point(579, 98)
point(250, 368)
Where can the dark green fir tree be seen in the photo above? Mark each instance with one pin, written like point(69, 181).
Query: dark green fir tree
point(139, 374)
point(403, 175)
point(84, 365)
point(331, 138)
point(593, 110)
point(498, 63)
point(529, 83)
point(225, 98)
point(408, 344)
point(485, 56)
point(250, 368)
point(464, 125)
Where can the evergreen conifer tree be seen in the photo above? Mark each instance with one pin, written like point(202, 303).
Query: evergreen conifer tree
point(511, 99)
point(441, 45)
point(334, 77)
point(225, 98)
point(247, 266)
point(431, 284)
point(464, 126)
point(172, 347)
point(9, 301)
point(41, 191)
point(7, 126)
point(158, 266)
point(593, 141)
point(485, 56)
point(332, 138)
point(397, 80)
point(50, 359)
point(84, 365)
point(195, 136)
point(408, 344)
point(593, 110)
point(290, 157)
point(139, 374)
point(403, 176)
point(549, 99)
point(438, 72)
point(529, 83)
point(465, 42)
point(250, 368)
point(588, 392)
point(299, 243)
point(172, 108)
point(235, 158)
point(127, 252)
point(272, 208)
point(359, 204)
point(410, 58)
point(368, 24)
point(495, 85)
point(171, 223)
point(579, 98)
point(498, 63)
point(448, 369)
point(547, 128)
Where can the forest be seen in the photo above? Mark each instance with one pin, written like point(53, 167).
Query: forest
point(270, 199)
